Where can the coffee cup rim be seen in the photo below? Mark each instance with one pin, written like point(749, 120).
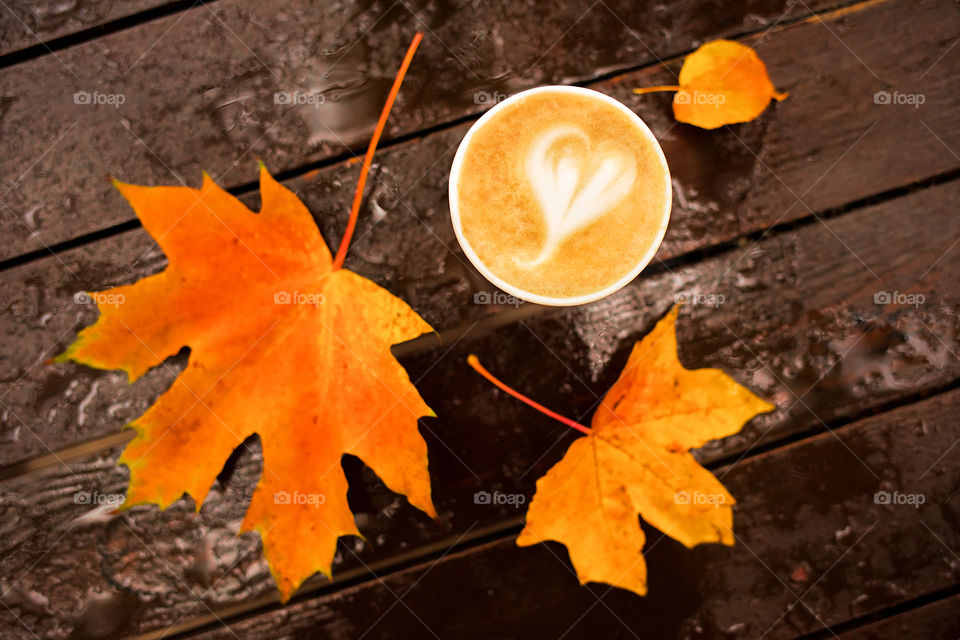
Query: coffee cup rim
point(535, 297)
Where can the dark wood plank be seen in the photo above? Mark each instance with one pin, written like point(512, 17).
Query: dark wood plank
point(198, 88)
point(814, 549)
point(940, 619)
point(26, 23)
point(405, 242)
point(801, 303)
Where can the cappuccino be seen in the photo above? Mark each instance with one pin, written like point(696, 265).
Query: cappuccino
point(560, 195)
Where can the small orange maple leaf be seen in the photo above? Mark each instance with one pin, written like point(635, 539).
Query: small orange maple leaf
point(722, 82)
point(283, 343)
point(636, 460)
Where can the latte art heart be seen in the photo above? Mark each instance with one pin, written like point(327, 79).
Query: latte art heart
point(559, 195)
point(575, 184)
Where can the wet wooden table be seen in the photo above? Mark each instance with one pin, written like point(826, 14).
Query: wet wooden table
point(826, 232)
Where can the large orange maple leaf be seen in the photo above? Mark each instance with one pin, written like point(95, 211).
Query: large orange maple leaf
point(282, 345)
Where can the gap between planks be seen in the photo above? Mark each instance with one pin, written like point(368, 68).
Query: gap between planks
point(59, 43)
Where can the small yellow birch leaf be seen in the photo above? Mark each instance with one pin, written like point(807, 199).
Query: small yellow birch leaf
point(722, 82)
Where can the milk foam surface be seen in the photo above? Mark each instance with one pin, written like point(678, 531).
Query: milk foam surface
point(561, 194)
